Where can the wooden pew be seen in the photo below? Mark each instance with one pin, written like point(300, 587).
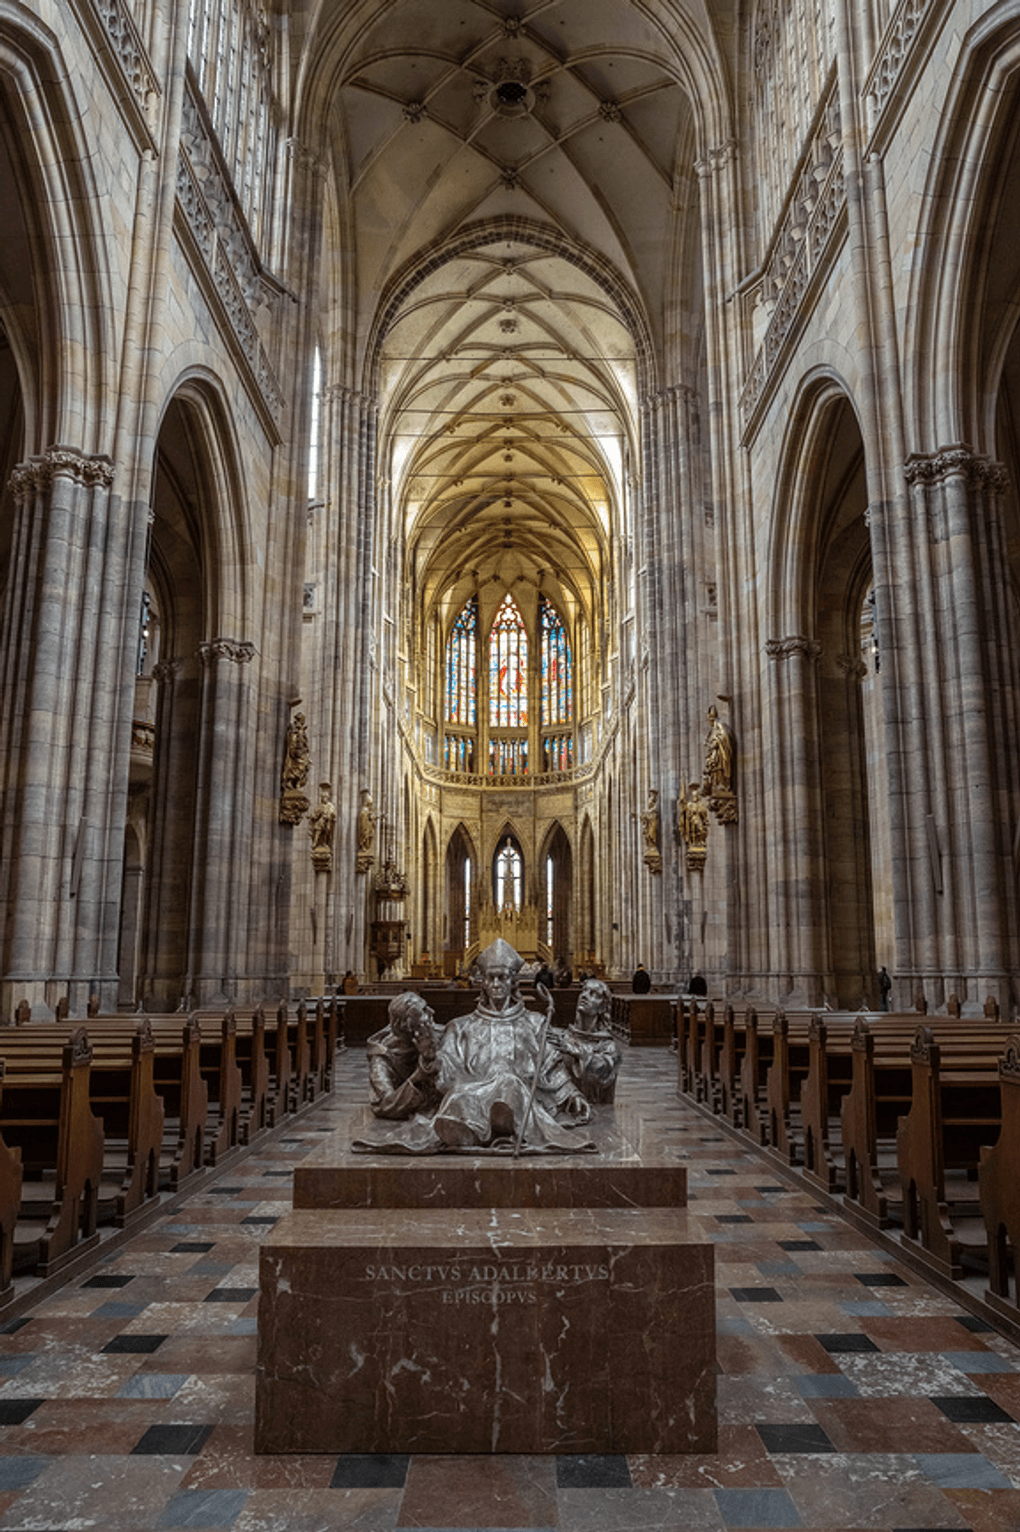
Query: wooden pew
point(10, 1207)
point(828, 1080)
point(731, 1057)
point(649, 1020)
point(222, 1078)
point(754, 1067)
point(250, 1056)
point(999, 1191)
point(955, 1113)
point(121, 1094)
point(46, 1115)
point(783, 1079)
point(178, 1079)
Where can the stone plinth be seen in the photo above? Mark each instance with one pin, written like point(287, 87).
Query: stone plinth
point(486, 1330)
point(632, 1169)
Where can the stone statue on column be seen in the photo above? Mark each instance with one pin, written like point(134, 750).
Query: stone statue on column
point(366, 832)
point(718, 776)
point(321, 828)
point(294, 776)
point(692, 822)
point(650, 833)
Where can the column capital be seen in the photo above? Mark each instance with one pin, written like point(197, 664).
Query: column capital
point(94, 471)
point(226, 649)
point(794, 643)
point(956, 461)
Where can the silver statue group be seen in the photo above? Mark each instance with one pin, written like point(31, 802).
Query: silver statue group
point(500, 1080)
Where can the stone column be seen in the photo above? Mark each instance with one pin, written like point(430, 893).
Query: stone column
point(970, 682)
point(799, 957)
point(344, 673)
point(221, 866)
point(58, 709)
point(682, 676)
point(166, 909)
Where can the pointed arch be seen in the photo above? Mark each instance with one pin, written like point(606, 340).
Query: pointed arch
point(64, 337)
point(429, 894)
point(461, 897)
point(556, 898)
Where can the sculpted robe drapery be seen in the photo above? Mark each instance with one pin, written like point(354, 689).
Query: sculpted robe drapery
point(487, 1062)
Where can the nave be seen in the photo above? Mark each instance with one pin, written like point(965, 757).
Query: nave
point(851, 1394)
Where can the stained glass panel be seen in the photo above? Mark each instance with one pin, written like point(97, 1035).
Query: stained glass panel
point(508, 668)
point(461, 667)
point(557, 668)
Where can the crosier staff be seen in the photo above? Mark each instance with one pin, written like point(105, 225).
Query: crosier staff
point(547, 1001)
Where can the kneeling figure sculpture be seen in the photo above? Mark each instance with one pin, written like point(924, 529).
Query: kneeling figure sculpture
point(490, 1082)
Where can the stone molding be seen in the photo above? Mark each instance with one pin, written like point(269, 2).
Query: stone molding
point(795, 643)
point(958, 461)
point(306, 158)
point(38, 473)
point(124, 61)
point(715, 159)
point(892, 53)
point(851, 666)
point(798, 248)
point(221, 238)
point(167, 671)
point(339, 393)
point(884, 90)
point(227, 649)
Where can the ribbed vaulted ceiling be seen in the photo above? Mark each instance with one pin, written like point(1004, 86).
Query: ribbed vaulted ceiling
point(509, 178)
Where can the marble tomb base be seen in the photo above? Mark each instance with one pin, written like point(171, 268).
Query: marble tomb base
point(474, 1303)
point(486, 1330)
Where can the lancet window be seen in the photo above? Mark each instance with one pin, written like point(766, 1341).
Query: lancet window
point(508, 668)
point(461, 668)
point(557, 671)
point(508, 708)
point(508, 877)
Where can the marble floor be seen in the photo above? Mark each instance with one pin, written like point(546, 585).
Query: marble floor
point(850, 1393)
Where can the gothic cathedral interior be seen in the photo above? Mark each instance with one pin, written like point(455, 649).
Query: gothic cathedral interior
point(540, 468)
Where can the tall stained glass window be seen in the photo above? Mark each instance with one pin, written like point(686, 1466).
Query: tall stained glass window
point(508, 669)
point(461, 667)
point(508, 877)
point(557, 670)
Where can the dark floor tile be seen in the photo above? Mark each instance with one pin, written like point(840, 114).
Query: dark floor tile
point(593, 1471)
point(193, 1247)
point(109, 1279)
point(718, 1171)
point(757, 1508)
point(851, 1341)
point(879, 1279)
point(14, 1411)
point(757, 1295)
point(799, 1244)
point(370, 1470)
point(267, 1221)
point(799, 1436)
point(224, 1191)
point(971, 1409)
point(17, 1473)
point(772, 1188)
point(230, 1295)
point(209, 1508)
point(733, 1218)
point(135, 1343)
point(166, 1440)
